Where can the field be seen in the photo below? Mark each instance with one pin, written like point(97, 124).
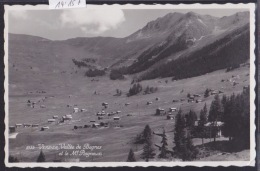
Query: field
point(61, 97)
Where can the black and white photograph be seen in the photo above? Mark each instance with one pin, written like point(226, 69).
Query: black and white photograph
point(130, 85)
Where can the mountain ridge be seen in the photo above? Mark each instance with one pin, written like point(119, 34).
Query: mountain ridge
point(160, 41)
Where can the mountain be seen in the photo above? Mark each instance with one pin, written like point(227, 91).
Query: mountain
point(171, 41)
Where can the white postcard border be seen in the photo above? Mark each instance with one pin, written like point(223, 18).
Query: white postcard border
point(250, 6)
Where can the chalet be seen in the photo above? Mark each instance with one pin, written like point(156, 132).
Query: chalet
point(216, 128)
point(42, 106)
point(198, 101)
point(55, 117)
point(196, 95)
point(104, 104)
point(214, 92)
point(27, 125)
point(116, 118)
point(101, 113)
point(172, 109)
point(149, 103)
point(95, 125)
point(11, 129)
point(45, 128)
point(212, 128)
point(126, 104)
point(75, 110)
point(118, 112)
point(87, 126)
point(170, 117)
point(104, 124)
point(66, 118)
point(245, 87)
point(192, 97)
point(51, 120)
point(190, 100)
point(18, 125)
point(110, 114)
point(83, 110)
point(160, 111)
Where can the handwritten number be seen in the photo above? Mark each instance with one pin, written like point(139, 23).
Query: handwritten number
point(71, 3)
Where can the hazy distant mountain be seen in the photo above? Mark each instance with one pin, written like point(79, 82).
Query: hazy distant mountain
point(162, 43)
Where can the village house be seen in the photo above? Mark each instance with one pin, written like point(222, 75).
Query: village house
point(104, 124)
point(27, 125)
point(12, 129)
point(116, 118)
point(196, 95)
point(45, 128)
point(212, 128)
point(214, 92)
point(18, 125)
point(66, 118)
point(172, 109)
point(160, 111)
point(95, 125)
point(51, 120)
point(170, 117)
point(83, 110)
point(55, 117)
point(35, 125)
point(198, 101)
point(75, 110)
point(105, 105)
point(149, 103)
point(190, 100)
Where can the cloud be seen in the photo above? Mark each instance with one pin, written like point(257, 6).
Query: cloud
point(92, 21)
point(19, 14)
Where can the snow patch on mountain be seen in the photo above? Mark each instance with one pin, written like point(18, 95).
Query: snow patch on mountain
point(202, 22)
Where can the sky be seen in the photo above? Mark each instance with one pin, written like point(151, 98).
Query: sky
point(65, 24)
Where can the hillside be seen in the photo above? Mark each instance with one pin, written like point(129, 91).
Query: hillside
point(153, 51)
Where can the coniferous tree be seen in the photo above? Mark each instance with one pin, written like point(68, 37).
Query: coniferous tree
point(179, 132)
point(214, 114)
point(131, 156)
point(206, 94)
point(189, 151)
point(237, 120)
point(147, 133)
point(148, 150)
point(203, 120)
point(191, 118)
point(163, 153)
point(41, 157)
point(147, 90)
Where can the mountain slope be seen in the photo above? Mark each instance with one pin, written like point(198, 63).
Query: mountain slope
point(189, 32)
point(156, 50)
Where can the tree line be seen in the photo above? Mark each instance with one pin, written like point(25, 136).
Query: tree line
point(233, 111)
